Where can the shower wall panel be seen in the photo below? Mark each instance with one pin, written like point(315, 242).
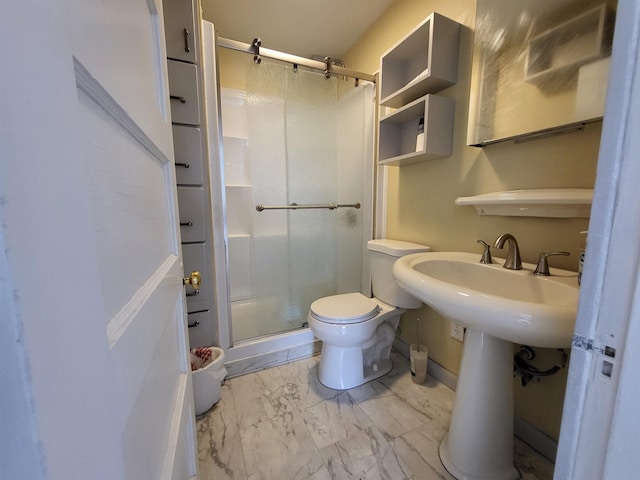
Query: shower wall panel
point(294, 137)
point(237, 175)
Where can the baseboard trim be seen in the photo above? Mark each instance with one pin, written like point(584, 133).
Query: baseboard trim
point(536, 439)
point(522, 429)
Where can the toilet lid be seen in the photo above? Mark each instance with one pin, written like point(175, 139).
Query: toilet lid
point(345, 308)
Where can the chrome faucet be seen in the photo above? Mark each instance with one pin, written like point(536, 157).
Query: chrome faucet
point(513, 261)
point(543, 263)
point(486, 254)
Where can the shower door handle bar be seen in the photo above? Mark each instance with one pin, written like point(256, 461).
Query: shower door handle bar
point(295, 206)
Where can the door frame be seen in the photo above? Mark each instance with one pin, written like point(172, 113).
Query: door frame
point(598, 437)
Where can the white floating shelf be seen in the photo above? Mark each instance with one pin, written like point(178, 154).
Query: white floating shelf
point(555, 203)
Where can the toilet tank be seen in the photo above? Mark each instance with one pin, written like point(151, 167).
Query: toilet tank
point(382, 255)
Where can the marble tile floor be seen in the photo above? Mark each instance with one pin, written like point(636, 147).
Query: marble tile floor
point(283, 424)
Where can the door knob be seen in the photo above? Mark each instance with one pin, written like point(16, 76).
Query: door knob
point(194, 280)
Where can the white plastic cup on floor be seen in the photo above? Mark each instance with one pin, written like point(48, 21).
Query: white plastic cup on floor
point(418, 361)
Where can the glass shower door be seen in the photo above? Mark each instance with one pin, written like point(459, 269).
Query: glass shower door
point(308, 143)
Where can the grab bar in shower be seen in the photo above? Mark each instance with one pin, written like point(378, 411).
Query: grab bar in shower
point(295, 206)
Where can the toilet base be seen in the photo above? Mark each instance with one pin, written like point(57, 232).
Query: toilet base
point(382, 369)
point(356, 353)
point(332, 372)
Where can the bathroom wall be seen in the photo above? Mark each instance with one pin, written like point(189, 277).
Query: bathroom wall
point(421, 197)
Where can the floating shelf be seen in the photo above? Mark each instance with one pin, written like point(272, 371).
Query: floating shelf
point(424, 61)
point(554, 203)
point(398, 130)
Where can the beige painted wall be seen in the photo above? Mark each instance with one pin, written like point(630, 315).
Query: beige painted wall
point(421, 196)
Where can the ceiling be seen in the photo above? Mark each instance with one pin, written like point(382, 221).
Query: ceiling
point(307, 28)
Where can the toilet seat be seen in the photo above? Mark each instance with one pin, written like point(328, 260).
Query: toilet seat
point(344, 309)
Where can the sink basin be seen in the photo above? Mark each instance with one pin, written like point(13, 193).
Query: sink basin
point(514, 305)
point(498, 306)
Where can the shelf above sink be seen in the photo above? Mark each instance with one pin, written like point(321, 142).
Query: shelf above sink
point(554, 203)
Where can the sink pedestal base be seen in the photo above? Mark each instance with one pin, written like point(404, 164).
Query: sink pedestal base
point(479, 444)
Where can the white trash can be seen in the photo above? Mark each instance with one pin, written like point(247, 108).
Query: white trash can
point(208, 372)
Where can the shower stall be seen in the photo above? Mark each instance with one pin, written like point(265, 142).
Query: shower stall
point(296, 182)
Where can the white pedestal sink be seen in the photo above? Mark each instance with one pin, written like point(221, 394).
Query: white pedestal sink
point(498, 306)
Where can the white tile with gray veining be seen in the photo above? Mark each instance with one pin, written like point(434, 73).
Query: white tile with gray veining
point(256, 363)
point(272, 359)
point(302, 379)
point(393, 415)
point(335, 419)
point(260, 396)
point(419, 450)
point(283, 424)
point(281, 447)
point(219, 447)
point(365, 455)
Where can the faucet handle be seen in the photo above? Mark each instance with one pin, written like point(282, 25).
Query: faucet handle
point(543, 264)
point(486, 255)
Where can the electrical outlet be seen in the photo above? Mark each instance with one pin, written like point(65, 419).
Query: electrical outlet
point(457, 331)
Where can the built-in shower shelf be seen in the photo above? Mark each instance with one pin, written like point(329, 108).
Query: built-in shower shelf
point(554, 203)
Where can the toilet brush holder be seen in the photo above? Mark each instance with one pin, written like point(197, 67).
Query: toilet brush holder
point(418, 356)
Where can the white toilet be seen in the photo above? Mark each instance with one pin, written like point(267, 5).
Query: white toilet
point(357, 331)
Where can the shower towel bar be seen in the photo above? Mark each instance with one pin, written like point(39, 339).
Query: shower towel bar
point(295, 206)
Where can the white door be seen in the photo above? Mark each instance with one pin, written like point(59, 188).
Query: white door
point(600, 422)
point(94, 372)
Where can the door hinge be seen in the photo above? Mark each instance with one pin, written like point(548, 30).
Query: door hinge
point(589, 345)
